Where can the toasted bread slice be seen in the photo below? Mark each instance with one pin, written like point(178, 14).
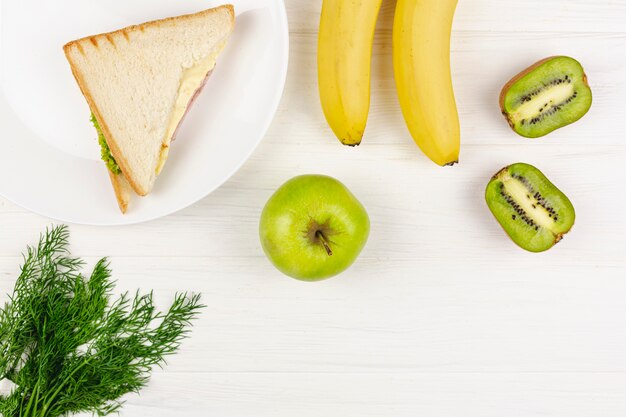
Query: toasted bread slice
point(139, 82)
point(123, 190)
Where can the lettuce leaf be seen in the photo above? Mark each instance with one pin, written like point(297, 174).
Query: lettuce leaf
point(105, 152)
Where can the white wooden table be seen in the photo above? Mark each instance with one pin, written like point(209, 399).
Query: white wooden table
point(442, 315)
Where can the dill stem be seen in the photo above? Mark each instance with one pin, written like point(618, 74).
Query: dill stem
point(56, 392)
point(34, 394)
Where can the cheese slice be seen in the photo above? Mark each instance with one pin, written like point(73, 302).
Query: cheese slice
point(192, 79)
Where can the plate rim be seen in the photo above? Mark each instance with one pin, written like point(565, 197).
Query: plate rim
point(126, 221)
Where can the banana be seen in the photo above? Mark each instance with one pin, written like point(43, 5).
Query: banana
point(421, 60)
point(344, 57)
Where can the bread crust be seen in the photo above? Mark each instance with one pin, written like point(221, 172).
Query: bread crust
point(110, 140)
point(121, 189)
point(142, 26)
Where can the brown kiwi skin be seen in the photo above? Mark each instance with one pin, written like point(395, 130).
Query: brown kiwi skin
point(513, 80)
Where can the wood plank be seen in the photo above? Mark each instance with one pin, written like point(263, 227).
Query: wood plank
point(583, 16)
point(454, 311)
point(375, 395)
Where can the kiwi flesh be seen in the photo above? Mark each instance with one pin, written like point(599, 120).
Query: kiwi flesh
point(533, 211)
point(551, 94)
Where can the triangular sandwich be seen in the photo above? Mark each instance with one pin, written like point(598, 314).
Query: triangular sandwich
point(139, 83)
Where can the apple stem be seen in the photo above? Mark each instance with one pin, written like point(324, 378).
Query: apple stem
point(322, 239)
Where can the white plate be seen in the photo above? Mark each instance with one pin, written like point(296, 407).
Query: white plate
point(49, 156)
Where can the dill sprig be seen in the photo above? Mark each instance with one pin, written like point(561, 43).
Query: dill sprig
point(67, 348)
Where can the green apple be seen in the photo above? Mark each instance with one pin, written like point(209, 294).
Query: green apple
point(313, 228)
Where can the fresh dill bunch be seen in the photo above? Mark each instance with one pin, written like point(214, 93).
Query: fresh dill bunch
point(67, 348)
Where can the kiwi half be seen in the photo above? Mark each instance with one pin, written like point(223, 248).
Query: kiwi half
point(533, 212)
point(547, 96)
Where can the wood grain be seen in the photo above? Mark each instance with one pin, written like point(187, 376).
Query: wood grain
point(442, 315)
point(375, 395)
point(583, 16)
